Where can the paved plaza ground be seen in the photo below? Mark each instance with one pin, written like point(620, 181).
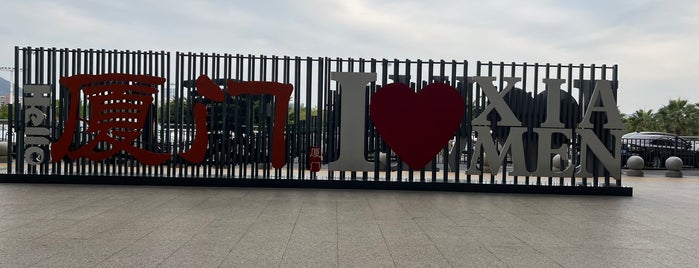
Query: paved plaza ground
point(148, 226)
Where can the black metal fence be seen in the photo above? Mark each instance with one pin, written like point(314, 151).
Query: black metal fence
point(655, 150)
point(239, 128)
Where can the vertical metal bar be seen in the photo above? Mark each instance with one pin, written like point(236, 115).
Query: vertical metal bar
point(329, 115)
point(597, 129)
point(518, 101)
point(606, 138)
point(615, 87)
point(572, 117)
point(428, 80)
point(289, 160)
point(309, 116)
point(445, 159)
point(384, 81)
point(367, 121)
point(558, 76)
point(350, 68)
point(583, 99)
point(319, 131)
point(480, 101)
point(53, 111)
point(39, 79)
point(297, 117)
point(15, 124)
point(389, 153)
point(26, 63)
point(338, 66)
point(490, 73)
point(503, 165)
point(375, 138)
point(63, 71)
point(275, 78)
point(537, 112)
point(468, 92)
point(528, 116)
point(228, 136)
point(399, 162)
point(445, 152)
point(547, 157)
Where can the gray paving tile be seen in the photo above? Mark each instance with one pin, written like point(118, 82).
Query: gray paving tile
point(312, 244)
point(83, 229)
point(181, 228)
point(471, 256)
point(450, 236)
point(522, 256)
point(142, 253)
point(81, 212)
point(37, 228)
point(572, 257)
point(23, 252)
point(418, 255)
point(622, 257)
point(224, 230)
point(200, 253)
point(494, 236)
point(388, 211)
point(671, 257)
point(403, 232)
point(474, 220)
point(534, 236)
point(362, 245)
point(7, 224)
point(580, 238)
point(354, 211)
point(82, 253)
point(262, 246)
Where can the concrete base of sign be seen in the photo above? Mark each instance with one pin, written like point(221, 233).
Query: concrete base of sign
point(325, 184)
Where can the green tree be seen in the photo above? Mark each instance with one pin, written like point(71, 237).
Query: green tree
point(679, 117)
point(302, 113)
point(641, 120)
point(4, 109)
point(175, 107)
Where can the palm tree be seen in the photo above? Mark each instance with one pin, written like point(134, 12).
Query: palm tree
point(642, 120)
point(679, 117)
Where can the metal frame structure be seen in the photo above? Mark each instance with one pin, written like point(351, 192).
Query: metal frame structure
point(240, 127)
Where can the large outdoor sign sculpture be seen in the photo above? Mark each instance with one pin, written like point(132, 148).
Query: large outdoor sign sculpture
point(416, 126)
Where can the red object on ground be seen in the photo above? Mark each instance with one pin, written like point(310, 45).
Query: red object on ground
point(315, 159)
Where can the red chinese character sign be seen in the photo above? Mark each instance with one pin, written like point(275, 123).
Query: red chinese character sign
point(119, 110)
point(119, 105)
point(282, 94)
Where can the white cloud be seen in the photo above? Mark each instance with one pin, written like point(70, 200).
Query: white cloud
point(654, 42)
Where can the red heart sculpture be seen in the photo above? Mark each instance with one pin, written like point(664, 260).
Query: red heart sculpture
point(416, 125)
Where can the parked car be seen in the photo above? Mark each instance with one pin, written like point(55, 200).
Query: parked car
point(656, 147)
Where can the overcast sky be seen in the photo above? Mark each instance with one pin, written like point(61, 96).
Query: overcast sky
point(655, 43)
